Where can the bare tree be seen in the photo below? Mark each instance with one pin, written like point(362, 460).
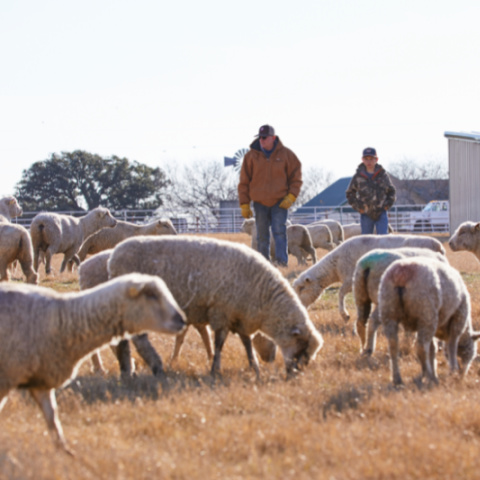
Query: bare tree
point(315, 179)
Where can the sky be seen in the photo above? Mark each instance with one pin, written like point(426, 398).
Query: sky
point(169, 83)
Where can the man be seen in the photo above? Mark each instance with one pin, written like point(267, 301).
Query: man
point(371, 193)
point(271, 177)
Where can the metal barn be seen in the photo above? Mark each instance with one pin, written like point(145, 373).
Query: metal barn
point(464, 173)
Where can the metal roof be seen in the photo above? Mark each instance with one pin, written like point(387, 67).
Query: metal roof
point(470, 136)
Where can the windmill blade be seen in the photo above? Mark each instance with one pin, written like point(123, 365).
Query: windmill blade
point(239, 155)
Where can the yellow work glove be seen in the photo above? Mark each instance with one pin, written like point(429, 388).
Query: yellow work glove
point(246, 210)
point(287, 202)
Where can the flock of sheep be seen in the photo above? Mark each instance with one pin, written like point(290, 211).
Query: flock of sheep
point(141, 278)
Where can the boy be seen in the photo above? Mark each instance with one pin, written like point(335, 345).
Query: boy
point(371, 193)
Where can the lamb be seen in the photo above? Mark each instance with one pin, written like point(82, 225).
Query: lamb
point(229, 286)
point(16, 245)
point(339, 264)
point(9, 208)
point(109, 237)
point(298, 239)
point(466, 237)
point(93, 272)
point(335, 227)
point(46, 334)
point(56, 233)
point(430, 298)
point(321, 236)
point(366, 280)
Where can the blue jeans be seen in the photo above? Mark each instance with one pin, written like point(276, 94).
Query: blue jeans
point(380, 225)
point(276, 219)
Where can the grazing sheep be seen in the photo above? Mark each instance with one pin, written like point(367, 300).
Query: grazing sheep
point(339, 264)
point(299, 241)
point(16, 245)
point(366, 280)
point(55, 233)
point(9, 208)
point(466, 237)
point(93, 272)
point(429, 297)
point(335, 227)
point(109, 237)
point(321, 236)
point(46, 334)
point(230, 287)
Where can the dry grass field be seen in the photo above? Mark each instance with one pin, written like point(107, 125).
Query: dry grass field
point(339, 419)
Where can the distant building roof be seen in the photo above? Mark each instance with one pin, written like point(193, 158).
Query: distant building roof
point(471, 136)
point(332, 196)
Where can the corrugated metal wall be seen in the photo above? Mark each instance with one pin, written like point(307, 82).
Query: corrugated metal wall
point(464, 173)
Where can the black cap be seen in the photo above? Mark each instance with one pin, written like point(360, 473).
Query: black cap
point(369, 152)
point(266, 131)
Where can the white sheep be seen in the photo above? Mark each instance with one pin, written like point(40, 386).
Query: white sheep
point(16, 245)
point(321, 236)
point(299, 241)
point(366, 280)
point(339, 264)
point(335, 227)
point(107, 238)
point(9, 208)
point(429, 297)
point(93, 272)
point(229, 286)
point(466, 237)
point(56, 233)
point(46, 334)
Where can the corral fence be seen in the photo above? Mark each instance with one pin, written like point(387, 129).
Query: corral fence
point(229, 220)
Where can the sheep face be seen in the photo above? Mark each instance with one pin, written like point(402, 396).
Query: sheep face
point(300, 347)
point(467, 350)
point(307, 289)
point(150, 300)
point(465, 237)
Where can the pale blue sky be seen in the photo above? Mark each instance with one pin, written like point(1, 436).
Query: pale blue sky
point(182, 81)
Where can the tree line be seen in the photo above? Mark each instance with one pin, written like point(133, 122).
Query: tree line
point(80, 181)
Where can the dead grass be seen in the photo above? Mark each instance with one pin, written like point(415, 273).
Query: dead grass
point(340, 419)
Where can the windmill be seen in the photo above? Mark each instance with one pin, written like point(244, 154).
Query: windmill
point(237, 159)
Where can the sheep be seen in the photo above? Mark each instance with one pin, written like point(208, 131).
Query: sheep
point(353, 229)
point(56, 233)
point(46, 334)
point(339, 264)
point(9, 208)
point(466, 237)
point(321, 236)
point(429, 297)
point(299, 241)
point(229, 286)
point(335, 227)
point(109, 237)
point(366, 279)
point(93, 272)
point(16, 245)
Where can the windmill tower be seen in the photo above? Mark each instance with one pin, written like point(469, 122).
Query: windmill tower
point(237, 159)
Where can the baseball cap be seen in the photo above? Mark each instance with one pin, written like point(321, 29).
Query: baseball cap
point(266, 131)
point(369, 152)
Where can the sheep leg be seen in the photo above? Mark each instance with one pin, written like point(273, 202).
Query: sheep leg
point(207, 341)
point(97, 363)
point(220, 337)
point(149, 354)
point(124, 356)
point(391, 332)
point(252, 358)
point(179, 339)
point(297, 252)
point(344, 289)
point(372, 327)
point(47, 403)
point(425, 355)
point(363, 312)
point(48, 262)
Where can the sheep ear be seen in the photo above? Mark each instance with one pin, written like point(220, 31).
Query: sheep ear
point(477, 227)
point(134, 291)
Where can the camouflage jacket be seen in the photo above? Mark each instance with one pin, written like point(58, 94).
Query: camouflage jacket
point(371, 195)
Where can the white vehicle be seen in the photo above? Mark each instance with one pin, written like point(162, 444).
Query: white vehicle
point(435, 217)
